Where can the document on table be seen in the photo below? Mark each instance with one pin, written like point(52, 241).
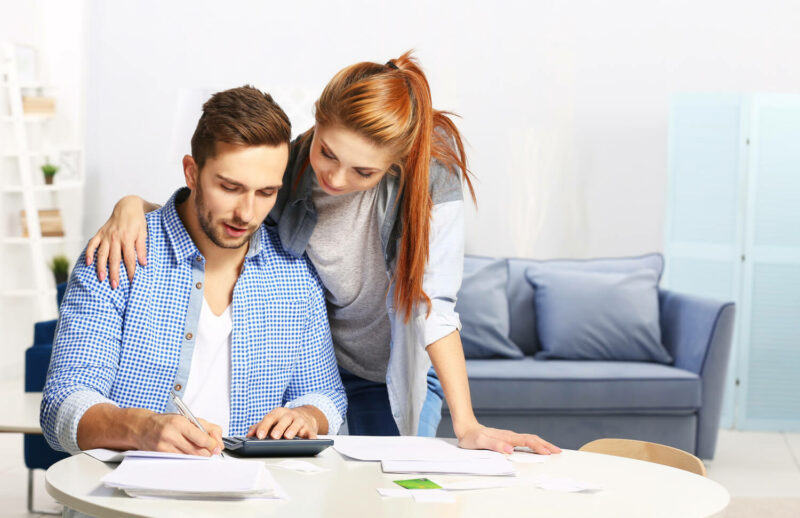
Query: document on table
point(423, 455)
point(405, 448)
point(493, 467)
point(225, 478)
point(105, 455)
point(542, 482)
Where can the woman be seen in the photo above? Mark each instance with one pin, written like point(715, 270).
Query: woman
point(372, 194)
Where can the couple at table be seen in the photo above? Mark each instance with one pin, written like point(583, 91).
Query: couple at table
point(288, 287)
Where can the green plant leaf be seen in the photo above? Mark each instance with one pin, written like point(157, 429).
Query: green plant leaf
point(49, 169)
point(59, 265)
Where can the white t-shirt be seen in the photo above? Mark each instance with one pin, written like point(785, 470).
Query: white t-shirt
point(208, 389)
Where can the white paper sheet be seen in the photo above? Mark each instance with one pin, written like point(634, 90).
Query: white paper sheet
point(472, 483)
point(475, 483)
point(494, 467)
point(105, 455)
point(543, 482)
point(219, 478)
point(405, 448)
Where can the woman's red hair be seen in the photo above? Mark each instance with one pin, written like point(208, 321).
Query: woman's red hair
point(390, 105)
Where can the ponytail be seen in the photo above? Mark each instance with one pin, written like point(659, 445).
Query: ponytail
point(391, 106)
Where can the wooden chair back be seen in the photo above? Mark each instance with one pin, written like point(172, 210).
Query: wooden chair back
point(648, 451)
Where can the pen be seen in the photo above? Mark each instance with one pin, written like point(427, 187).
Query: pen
point(185, 412)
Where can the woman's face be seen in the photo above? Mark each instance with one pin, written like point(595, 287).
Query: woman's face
point(346, 162)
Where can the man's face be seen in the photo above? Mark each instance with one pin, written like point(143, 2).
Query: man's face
point(236, 190)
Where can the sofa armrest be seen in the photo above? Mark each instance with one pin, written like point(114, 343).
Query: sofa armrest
point(698, 333)
point(37, 361)
point(44, 333)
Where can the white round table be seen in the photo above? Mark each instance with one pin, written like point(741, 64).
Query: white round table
point(630, 488)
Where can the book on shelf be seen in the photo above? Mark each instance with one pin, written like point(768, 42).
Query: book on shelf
point(49, 221)
point(36, 105)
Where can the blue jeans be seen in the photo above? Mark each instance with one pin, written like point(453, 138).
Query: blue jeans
point(369, 412)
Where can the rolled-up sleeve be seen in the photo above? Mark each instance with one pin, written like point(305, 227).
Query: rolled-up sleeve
point(69, 414)
point(316, 379)
point(444, 269)
point(85, 355)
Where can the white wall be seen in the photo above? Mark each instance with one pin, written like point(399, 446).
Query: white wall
point(564, 104)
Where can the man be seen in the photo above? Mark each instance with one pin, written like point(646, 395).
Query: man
point(221, 315)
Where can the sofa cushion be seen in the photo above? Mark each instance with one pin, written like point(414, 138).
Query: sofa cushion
point(597, 316)
point(572, 386)
point(483, 308)
point(522, 328)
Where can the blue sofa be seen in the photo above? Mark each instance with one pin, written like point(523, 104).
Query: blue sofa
point(572, 402)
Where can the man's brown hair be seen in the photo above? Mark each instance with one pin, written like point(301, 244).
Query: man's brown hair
point(245, 116)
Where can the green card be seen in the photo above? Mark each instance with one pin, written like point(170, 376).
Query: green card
point(418, 483)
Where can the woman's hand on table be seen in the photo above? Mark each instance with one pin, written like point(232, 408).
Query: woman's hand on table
point(479, 437)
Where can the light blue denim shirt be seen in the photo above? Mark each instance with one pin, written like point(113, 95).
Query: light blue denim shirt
point(130, 346)
point(295, 216)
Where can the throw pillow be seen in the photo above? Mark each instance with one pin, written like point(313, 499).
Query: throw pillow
point(584, 315)
point(483, 307)
point(521, 293)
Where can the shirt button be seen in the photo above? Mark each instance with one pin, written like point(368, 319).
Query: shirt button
point(198, 259)
point(189, 336)
point(178, 387)
point(198, 285)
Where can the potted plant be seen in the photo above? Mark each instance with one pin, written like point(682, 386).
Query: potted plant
point(49, 171)
point(59, 265)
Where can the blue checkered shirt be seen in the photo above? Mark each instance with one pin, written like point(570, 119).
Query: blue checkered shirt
point(131, 345)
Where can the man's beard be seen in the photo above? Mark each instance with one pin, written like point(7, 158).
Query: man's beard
point(205, 219)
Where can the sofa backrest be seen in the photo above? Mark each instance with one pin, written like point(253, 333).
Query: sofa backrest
point(521, 294)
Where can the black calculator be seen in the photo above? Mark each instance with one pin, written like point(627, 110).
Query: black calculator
point(255, 447)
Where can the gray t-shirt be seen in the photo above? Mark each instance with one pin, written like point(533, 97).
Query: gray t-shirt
point(345, 248)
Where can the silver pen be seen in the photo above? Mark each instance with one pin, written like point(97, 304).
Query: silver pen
point(185, 412)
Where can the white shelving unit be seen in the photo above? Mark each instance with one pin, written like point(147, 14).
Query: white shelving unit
point(25, 258)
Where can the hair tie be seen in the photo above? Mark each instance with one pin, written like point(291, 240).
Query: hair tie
point(391, 64)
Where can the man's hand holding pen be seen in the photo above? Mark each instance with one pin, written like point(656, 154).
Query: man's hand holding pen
point(176, 433)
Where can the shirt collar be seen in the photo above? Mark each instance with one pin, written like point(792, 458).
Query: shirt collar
point(305, 186)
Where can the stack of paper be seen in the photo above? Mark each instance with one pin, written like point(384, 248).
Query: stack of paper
point(423, 455)
point(180, 478)
point(106, 455)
